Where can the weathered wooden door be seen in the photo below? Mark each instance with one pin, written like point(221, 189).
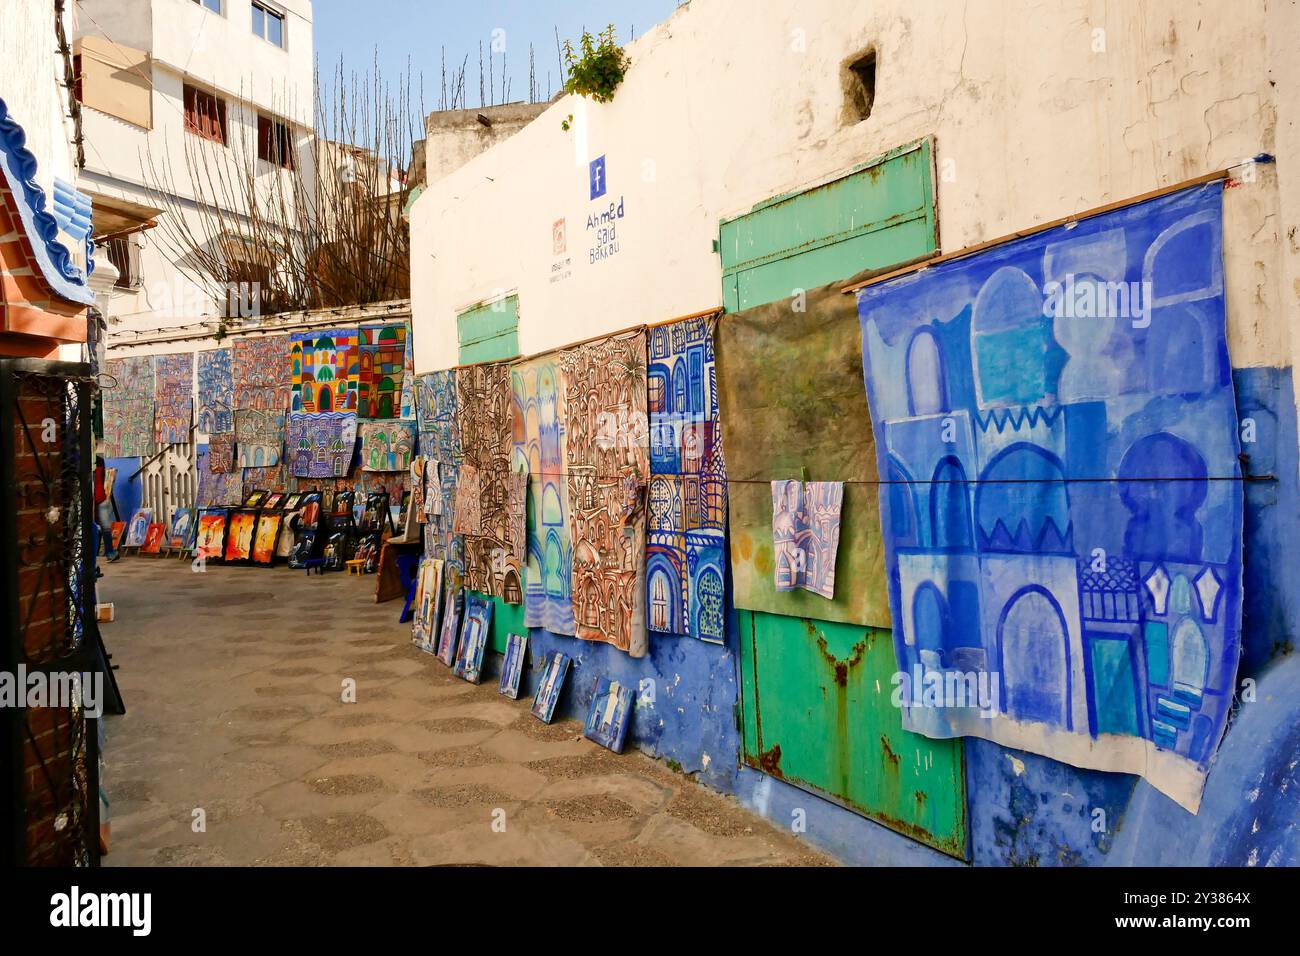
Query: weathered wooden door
point(815, 695)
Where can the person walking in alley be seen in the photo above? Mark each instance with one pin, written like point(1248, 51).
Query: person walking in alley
point(104, 511)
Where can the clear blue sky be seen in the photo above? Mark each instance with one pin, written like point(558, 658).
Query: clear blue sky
point(420, 29)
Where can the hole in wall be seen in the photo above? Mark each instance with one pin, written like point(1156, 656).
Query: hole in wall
point(859, 85)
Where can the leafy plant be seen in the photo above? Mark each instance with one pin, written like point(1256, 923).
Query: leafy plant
point(596, 68)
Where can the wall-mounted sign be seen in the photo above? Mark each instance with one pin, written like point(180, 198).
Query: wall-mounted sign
point(597, 177)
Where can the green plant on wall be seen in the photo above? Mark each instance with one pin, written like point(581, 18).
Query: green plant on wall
point(595, 68)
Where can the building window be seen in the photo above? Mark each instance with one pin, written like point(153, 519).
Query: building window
point(268, 24)
point(274, 142)
point(205, 114)
point(213, 5)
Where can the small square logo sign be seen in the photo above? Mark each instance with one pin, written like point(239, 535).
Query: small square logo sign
point(557, 237)
point(598, 177)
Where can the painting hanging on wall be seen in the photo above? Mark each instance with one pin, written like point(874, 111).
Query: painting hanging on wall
point(221, 453)
point(216, 392)
point(538, 393)
point(211, 539)
point(408, 378)
point(453, 606)
point(475, 629)
point(217, 489)
point(488, 503)
point(548, 690)
point(686, 507)
point(387, 446)
point(324, 368)
point(138, 527)
point(381, 372)
point(428, 590)
point(266, 538)
point(436, 416)
point(806, 534)
point(512, 666)
point(321, 446)
point(610, 713)
point(129, 420)
point(1063, 515)
point(239, 535)
point(260, 371)
point(788, 375)
point(607, 458)
point(173, 398)
point(259, 434)
point(153, 538)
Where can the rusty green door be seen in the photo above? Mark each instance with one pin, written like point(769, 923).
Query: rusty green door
point(816, 695)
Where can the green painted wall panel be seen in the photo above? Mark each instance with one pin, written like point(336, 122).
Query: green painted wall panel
point(815, 695)
point(506, 619)
point(825, 720)
point(489, 332)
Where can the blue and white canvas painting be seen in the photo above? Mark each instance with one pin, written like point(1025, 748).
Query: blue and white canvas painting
point(512, 668)
point(1061, 500)
point(137, 527)
point(474, 631)
point(548, 691)
point(610, 713)
point(453, 607)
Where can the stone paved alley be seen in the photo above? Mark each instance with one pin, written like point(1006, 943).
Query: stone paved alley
point(232, 683)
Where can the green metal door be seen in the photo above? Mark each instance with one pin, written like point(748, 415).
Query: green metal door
point(816, 695)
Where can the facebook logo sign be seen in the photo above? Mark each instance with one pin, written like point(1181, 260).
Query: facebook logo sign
point(598, 177)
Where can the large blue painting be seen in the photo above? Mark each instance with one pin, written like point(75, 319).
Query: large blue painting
point(687, 499)
point(1061, 498)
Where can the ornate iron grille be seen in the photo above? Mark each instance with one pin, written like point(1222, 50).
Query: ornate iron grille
point(51, 753)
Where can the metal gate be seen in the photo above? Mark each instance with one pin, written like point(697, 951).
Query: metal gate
point(49, 763)
point(812, 714)
point(167, 481)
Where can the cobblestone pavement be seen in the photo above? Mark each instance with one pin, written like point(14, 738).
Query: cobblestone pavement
point(233, 678)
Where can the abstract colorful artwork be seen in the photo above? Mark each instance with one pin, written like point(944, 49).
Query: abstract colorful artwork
point(260, 369)
point(606, 447)
point(436, 416)
point(324, 368)
point(789, 400)
point(1063, 515)
point(211, 539)
point(138, 527)
point(387, 446)
point(217, 489)
point(382, 368)
point(548, 691)
point(453, 606)
point(320, 446)
point(475, 629)
point(216, 392)
point(428, 590)
point(129, 426)
point(489, 505)
point(259, 434)
point(181, 535)
point(686, 508)
point(806, 534)
point(610, 713)
point(239, 535)
point(117, 531)
point(221, 453)
point(173, 398)
point(153, 538)
point(408, 378)
point(539, 415)
point(267, 537)
point(512, 666)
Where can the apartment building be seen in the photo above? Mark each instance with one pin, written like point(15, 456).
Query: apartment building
point(186, 103)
